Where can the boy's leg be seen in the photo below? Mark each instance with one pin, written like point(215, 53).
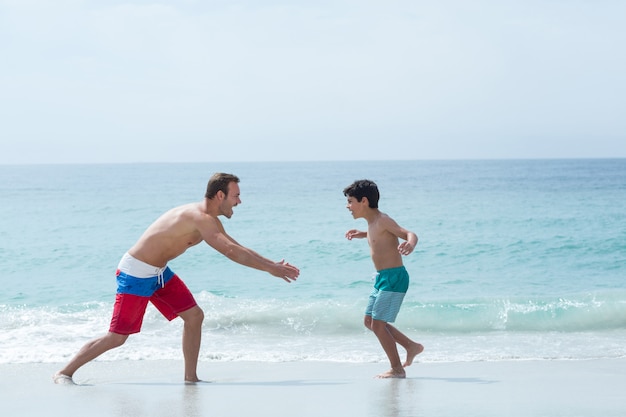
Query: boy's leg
point(412, 348)
point(388, 342)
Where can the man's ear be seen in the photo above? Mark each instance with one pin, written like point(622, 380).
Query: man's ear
point(365, 201)
point(220, 195)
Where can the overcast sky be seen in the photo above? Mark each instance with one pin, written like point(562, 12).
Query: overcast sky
point(219, 80)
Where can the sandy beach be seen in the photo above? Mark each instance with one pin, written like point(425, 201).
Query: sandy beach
point(155, 388)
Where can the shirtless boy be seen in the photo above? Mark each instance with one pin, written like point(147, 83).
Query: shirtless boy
point(143, 274)
point(392, 279)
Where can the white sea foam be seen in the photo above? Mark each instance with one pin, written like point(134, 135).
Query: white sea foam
point(286, 330)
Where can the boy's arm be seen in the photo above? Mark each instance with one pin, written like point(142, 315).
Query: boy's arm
point(409, 244)
point(410, 238)
point(355, 234)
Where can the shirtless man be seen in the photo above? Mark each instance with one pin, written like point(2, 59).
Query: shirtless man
point(143, 274)
point(392, 279)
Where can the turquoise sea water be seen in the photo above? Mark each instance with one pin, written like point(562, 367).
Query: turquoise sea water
point(516, 260)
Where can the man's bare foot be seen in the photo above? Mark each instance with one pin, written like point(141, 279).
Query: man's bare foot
point(61, 379)
point(392, 373)
point(412, 352)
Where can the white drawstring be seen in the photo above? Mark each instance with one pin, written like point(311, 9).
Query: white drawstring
point(160, 278)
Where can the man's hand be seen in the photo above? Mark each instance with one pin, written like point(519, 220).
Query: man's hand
point(285, 271)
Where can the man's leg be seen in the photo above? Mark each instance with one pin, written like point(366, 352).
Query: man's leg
point(192, 336)
point(92, 350)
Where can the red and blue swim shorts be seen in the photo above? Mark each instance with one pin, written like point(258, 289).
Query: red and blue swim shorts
point(139, 283)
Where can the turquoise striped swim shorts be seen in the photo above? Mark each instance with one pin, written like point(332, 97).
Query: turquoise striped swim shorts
point(389, 289)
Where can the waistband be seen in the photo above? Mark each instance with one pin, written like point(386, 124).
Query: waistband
point(397, 268)
point(139, 269)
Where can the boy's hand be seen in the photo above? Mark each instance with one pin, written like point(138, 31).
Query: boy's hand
point(405, 248)
point(353, 233)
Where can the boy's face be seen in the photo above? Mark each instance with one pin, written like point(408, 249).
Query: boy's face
point(356, 207)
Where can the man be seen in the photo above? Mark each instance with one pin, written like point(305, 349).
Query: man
point(143, 274)
point(392, 279)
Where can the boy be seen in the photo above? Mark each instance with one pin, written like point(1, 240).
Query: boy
point(392, 279)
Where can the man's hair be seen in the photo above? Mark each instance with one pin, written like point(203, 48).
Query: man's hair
point(363, 188)
point(219, 182)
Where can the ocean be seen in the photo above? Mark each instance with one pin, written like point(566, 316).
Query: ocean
point(517, 259)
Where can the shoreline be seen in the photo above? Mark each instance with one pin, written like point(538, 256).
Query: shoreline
point(136, 388)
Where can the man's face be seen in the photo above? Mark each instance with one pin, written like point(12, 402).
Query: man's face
point(230, 200)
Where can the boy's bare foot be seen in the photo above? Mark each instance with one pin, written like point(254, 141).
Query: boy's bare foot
point(392, 373)
point(194, 381)
point(412, 352)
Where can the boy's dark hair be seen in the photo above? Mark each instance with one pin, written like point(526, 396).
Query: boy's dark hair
point(219, 182)
point(363, 188)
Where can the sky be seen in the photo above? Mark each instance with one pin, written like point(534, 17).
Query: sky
point(218, 80)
